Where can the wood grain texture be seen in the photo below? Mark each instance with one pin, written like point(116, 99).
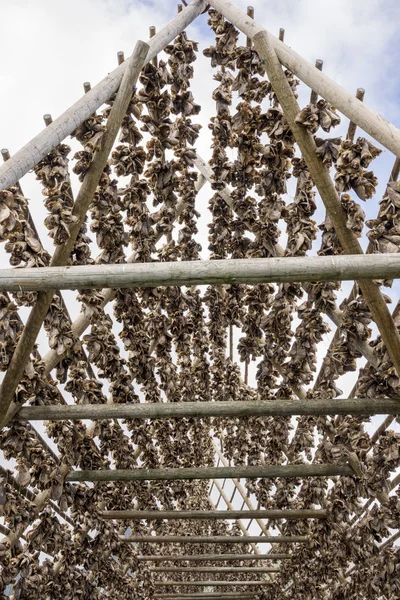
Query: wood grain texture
point(215, 539)
point(187, 474)
point(212, 557)
point(177, 410)
point(137, 515)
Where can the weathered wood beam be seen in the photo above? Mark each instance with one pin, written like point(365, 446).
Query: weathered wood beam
point(204, 272)
point(318, 65)
point(363, 116)
point(215, 539)
point(170, 515)
point(212, 557)
point(177, 410)
point(213, 583)
point(48, 139)
point(321, 177)
point(215, 569)
point(205, 595)
point(351, 131)
point(61, 255)
point(186, 474)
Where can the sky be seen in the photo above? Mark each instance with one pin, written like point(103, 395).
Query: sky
point(49, 48)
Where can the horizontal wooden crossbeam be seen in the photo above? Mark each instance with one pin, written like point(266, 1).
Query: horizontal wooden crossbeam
point(203, 272)
point(158, 515)
point(178, 410)
point(212, 557)
point(215, 569)
point(214, 583)
point(247, 472)
point(215, 539)
point(206, 595)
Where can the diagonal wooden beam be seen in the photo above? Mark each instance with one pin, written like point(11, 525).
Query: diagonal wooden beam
point(321, 177)
point(363, 116)
point(238, 520)
point(6, 156)
point(81, 205)
point(393, 177)
point(48, 139)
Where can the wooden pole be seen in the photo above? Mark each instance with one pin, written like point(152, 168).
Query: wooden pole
point(48, 139)
point(170, 515)
point(152, 33)
point(352, 126)
point(363, 116)
point(206, 595)
point(321, 177)
point(187, 474)
point(213, 596)
point(120, 57)
point(213, 583)
point(47, 119)
point(176, 410)
point(240, 488)
point(239, 521)
point(214, 539)
point(204, 272)
point(62, 253)
point(250, 13)
point(314, 96)
point(212, 557)
point(215, 569)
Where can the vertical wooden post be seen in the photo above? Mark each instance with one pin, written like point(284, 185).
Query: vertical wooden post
point(120, 57)
point(47, 119)
point(314, 96)
point(352, 126)
point(87, 87)
point(281, 34)
point(152, 31)
point(250, 13)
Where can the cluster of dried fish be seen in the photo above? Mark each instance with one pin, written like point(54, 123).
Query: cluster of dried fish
point(351, 164)
point(175, 343)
